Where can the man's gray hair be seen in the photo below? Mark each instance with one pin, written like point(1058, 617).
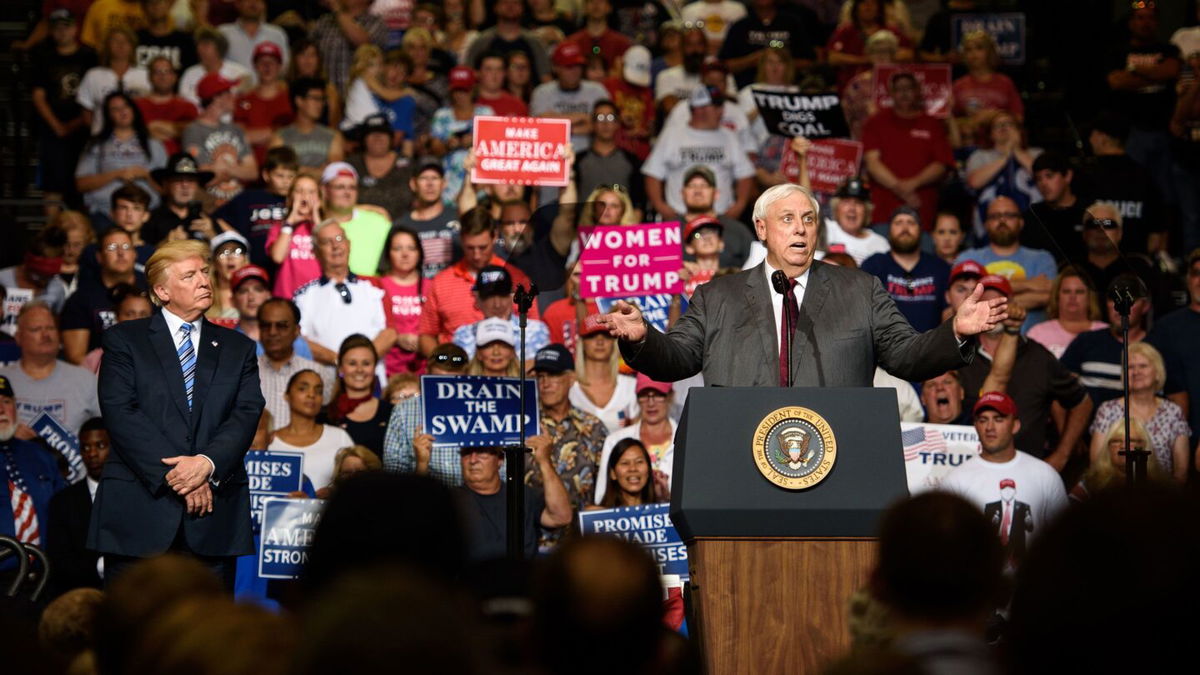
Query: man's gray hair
point(783, 191)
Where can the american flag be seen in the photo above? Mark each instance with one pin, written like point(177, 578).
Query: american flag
point(24, 517)
point(921, 439)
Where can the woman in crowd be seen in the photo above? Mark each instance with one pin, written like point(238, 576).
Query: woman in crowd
point(306, 62)
point(79, 234)
point(1006, 151)
point(458, 33)
point(627, 478)
point(1073, 309)
point(1165, 424)
point(949, 236)
point(118, 71)
point(1108, 463)
point(122, 152)
point(400, 276)
point(495, 350)
point(230, 252)
point(290, 245)
point(39, 268)
point(450, 133)
point(211, 48)
point(776, 73)
point(655, 431)
point(518, 75)
point(982, 92)
point(858, 96)
point(426, 79)
point(612, 205)
point(847, 45)
point(383, 172)
point(348, 462)
point(319, 443)
point(355, 406)
point(129, 302)
point(599, 387)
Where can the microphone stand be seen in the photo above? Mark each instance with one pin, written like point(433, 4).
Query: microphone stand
point(1135, 460)
point(514, 455)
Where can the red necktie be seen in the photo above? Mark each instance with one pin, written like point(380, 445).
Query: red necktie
point(1005, 523)
point(789, 315)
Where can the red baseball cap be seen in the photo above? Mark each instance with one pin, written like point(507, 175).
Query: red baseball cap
point(693, 226)
point(212, 84)
point(591, 326)
point(568, 53)
point(1008, 483)
point(268, 49)
point(995, 282)
point(462, 78)
point(995, 400)
point(644, 382)
point(248, 272)
point(967, 268)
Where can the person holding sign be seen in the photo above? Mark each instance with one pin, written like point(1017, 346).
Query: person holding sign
point(406, 448)
point(655, 431)
point(28, 477)
point(845, 322)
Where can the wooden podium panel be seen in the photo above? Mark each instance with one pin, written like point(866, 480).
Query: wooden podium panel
point(775, 605)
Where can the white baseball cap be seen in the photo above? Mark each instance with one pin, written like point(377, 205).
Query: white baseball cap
point(492, 330)
point(637, 66)
point(337, 170)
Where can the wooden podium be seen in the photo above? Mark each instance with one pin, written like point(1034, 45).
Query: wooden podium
point(773, 570)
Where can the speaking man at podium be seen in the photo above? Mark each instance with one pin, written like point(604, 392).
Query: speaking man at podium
point(843, 322)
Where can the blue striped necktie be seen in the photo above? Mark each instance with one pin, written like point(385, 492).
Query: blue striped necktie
point(187, 361)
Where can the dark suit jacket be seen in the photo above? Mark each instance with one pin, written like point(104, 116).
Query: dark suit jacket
point(848, 324)
point(1022, 523)
point(145, 409)
point(66, 539)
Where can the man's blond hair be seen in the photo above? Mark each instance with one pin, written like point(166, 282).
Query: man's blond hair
point(168, 254)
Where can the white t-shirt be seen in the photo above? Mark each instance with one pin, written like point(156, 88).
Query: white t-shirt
point(621, 408)
point(360, 104)
point(99, 82)
point(858, 248)
point(550, 99)
point(318, 457)
point(663, 463)
point(229, 70)
point(241, 45)
point(1037, 495)
point(679, 149)
point(732, 118)
point(677, 82)
point(717, 16)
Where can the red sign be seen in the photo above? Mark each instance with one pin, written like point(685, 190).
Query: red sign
point(521, 150)
point(934, 79)
point(830, 162)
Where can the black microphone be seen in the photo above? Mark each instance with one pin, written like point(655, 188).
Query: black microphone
point(779, 281)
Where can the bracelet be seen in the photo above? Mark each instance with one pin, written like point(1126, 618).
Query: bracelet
point(286, 229)
point(1012, 331)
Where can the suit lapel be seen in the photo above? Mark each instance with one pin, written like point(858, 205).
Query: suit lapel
point(168, 358)
point(758, 302)
point(815, 295)
point(208, 353)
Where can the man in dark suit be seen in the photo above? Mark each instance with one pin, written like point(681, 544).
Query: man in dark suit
point(181, 399)
point(1012, 520)
point(71, 513)
point(844, 322)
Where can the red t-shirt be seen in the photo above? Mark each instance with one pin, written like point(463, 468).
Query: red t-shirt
point(906, 146)
point(505, 105)
point(560, 317)
point(449, 302)
point(611, 43)
point(402, 306)
point(633, 103)
point(850, 40)
point(174, 109)
point(255, 112)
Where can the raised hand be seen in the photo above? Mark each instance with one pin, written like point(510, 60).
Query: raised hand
point(976, 315)
point(625, 322)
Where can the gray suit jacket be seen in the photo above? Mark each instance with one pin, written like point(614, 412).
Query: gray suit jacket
point(848, 324)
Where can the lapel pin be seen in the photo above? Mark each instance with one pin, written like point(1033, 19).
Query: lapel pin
point(214, 343)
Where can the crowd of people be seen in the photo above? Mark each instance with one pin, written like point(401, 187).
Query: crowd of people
point(322, 152)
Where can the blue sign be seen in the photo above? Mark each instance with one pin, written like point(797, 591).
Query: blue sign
point(289, 526)
point(654, 307)
point(477, 411)
point(648, 525)
point(272, 474)
point(1007, 29)
point(65, 442)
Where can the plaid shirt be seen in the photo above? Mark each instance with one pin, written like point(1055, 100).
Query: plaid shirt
point(336, 50)
point(444, 464)
point(578, 440)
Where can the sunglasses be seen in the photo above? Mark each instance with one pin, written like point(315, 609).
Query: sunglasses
point(452, 359)
point(606, 117)
point(1101, 223)
point(344, 291)
point(231, 252)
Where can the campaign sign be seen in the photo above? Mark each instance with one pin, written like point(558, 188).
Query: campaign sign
point(15, 299)
point(272, 474)
point(810, 116)
point(288, 528)
point(934, 79)
point(477, 411)
point(655, 308)
point(648, 525)
point(932, 450)
point(521, 150)
point(623, 260)
point(65, 442)
point(830, 163)
point(1006, 28)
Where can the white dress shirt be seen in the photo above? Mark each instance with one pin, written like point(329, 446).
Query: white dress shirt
point(777, 299)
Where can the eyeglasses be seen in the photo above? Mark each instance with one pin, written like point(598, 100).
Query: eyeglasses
point(606, 117)
point(232, 252)
point(1100, 223)
point(457, 360)
point(344, 291)
point(330, 241)
point(112, 248)
point(651, 395)
point(706, 233)
point(1006, 215)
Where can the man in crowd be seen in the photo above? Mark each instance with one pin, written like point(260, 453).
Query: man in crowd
point(29, 477)
point(715, 75)
point(493, 291)
point(434, 222)
point(568, 96)
point(916, 280)
point(279, 333)
point(597, 36)
point(942, 398)
point(89, 311)
point(250, 31)
point(766, 25)
point(251, 286)
point(906, 152)
point(180, 214)
point(676, 83)
point(1030, 271)
point(365, 225)
point(1038, 381)
point(1106, 259)
point(1055, 224)
point(508, 35)
point(406, 448)
point(604, 162)
point(254, 212)
point(265, 109)
point(702, 141)
point(699, 200)
point(1176, 336)
point(340, 303)
point(217, 145)
point(316, 145)
point(343, 30)
point(160, 38)
point(491, 91)
point(64, 391)
point(1018, 492)
point(633, 99)
point(851, 210)
point(165, 112)
point(71, 512)
point(1095, 356)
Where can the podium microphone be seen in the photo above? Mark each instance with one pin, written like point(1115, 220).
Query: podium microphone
point(779, 281)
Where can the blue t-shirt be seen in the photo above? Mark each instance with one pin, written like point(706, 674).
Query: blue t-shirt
point(920, 293)
point(1095, 356)
point(399, 113)
point(1026, 263)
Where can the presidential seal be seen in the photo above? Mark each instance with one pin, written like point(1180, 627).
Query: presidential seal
point(794, 448)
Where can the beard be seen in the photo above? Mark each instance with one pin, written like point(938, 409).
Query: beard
point(904, 245)
point(692, 63)
point(7, 432)
point(1003, 236)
